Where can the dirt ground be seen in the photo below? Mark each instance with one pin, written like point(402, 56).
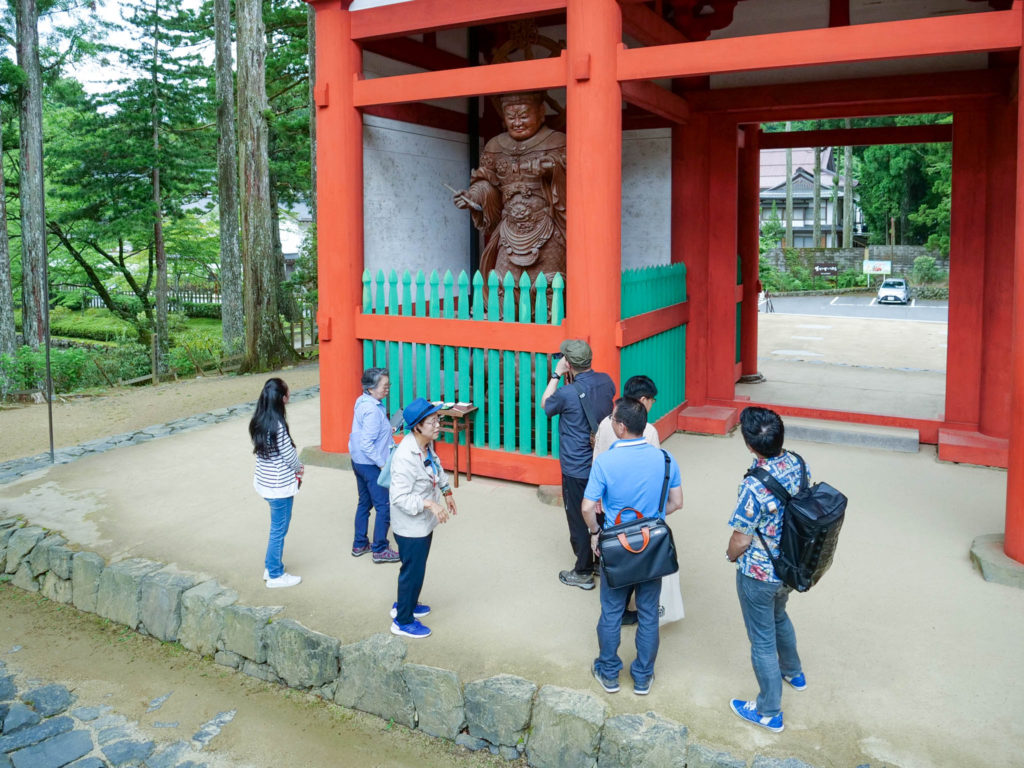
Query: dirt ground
point(80, 418)
point(105, 663)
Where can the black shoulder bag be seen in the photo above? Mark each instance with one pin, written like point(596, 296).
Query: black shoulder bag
point(640, 550)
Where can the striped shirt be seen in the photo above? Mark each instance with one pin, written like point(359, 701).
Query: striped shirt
point(275, 476)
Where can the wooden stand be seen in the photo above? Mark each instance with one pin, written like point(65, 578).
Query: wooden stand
point(454, 421)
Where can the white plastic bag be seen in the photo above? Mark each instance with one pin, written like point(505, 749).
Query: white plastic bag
point(670, 607)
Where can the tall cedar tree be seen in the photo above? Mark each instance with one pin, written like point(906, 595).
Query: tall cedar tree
point(232, 319)
point(162, 104)
point(8, 333)
point(265, 345)
point(34, 291)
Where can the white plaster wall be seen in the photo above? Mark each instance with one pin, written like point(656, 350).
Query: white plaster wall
point(409, 220)
point(646, 198)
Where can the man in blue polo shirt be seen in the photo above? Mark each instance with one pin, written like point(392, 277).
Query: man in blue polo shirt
point(629, 474)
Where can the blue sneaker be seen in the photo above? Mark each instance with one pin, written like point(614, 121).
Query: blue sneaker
point(609, 685)
point(418, 612)
point(748, 711)
point(415, 630)
point(798, 682)
point(643, 687)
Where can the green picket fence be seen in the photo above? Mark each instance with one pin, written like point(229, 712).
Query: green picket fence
point(662, 356)
point(505, 385)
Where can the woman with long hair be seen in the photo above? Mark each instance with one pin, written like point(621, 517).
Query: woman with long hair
point(420, 499)
point(278, 475)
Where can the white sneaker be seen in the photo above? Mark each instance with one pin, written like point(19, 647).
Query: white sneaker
point(284, 580)
point(266, 575)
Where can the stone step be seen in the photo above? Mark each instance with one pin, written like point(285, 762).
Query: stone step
point(862, 435)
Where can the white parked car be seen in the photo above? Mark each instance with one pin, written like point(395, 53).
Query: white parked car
point(894, 290)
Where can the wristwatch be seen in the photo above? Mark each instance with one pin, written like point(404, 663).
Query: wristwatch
point(556, 376)
point(594, 533)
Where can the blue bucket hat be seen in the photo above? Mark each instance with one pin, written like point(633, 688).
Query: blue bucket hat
point(417, 411)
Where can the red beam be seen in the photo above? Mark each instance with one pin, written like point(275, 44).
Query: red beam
point(538, 74)
point(459, 333)
point(932, 91)
point(634, 329)
point(656, 100)
point(416, 53)
point(421, 114)
point(858, 137)
point(403, 19)
point(968, 33)
point(644, 25)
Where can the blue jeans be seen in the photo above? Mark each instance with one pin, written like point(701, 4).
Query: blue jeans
point(772, 638)
point(609, 628)
point(414, 551)
point(280, 519)
point(375, 496)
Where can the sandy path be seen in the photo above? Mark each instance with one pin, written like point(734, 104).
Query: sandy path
point(77, 419)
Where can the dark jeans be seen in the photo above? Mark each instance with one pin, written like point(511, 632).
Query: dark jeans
point(413, 551)
point(375, 496)
point(579, 534)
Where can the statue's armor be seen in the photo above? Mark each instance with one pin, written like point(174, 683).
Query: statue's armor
point(523, 202)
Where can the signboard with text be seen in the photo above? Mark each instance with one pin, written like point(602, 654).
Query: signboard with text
point(877, 267)
point(826, 269)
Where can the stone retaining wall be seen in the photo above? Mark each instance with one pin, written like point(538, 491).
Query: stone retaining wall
point(548, 726)
point(901, 256)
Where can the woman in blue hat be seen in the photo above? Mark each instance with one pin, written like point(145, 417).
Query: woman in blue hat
point(420, 499)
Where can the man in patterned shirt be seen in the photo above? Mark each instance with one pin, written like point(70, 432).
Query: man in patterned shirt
point(762, 596)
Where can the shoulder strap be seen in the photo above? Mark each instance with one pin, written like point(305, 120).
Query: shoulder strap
point(585, 405)
point(664, 485)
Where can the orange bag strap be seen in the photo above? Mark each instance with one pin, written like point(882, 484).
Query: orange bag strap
point(625, 542)
point(637, 512)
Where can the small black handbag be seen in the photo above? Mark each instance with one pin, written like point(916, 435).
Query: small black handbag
point(640, 550)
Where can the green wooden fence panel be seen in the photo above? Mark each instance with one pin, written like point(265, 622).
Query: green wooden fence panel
point(433, 350)
point(541, 372)
point(525, 372)
point(408, 376)
point(420, 389)
point(493, 369)
point(479, 374)
point(381, 347)
point(557, 316)
point(462, 311)
point(367, 308)
point(508, 403)
point(448, 311)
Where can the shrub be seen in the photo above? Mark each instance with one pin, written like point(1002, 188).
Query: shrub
point(74, 300)
point(197, 309)
point(26, 369)
point(925, 271)
point(851, 278)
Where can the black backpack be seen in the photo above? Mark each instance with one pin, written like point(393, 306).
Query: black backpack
point(811, 520)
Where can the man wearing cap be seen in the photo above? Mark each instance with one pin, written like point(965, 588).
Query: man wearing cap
point(582, 403)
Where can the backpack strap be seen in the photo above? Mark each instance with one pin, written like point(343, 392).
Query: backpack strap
point(585, 405)
point(779, 492)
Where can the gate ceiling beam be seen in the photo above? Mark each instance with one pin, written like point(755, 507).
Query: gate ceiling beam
point(858, 137)
point(403, 19)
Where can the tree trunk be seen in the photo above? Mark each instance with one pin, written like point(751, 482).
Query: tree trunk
point(835, 204)
point(232, 323)
point(34, 293)
point(848, 193)
point(8, 334)
point(311, 55)
point(816, 237)
point(285, 300)
point(161, 327)
point(265, 345)
point(789, 192)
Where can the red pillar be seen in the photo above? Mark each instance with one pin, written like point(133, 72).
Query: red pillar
point(966, 269)
point(690, 211)
point(749, 241)
point(339, 221)
point(997, 309)
point(1014, 543)
point(594, 177)
point(722, 251)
